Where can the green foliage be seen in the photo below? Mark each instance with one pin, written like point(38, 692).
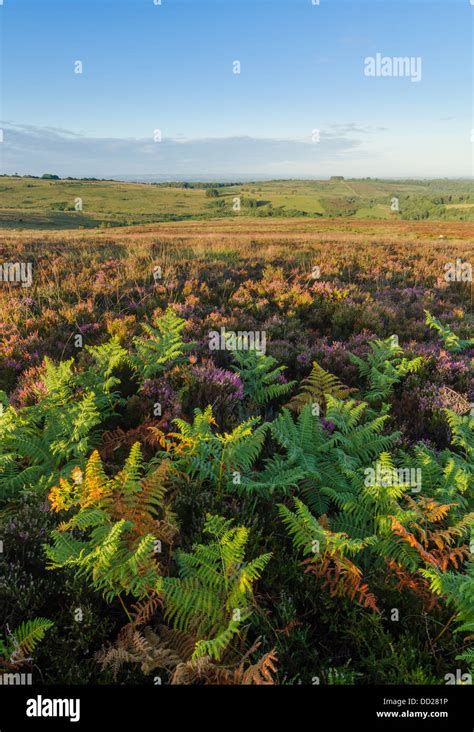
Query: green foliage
point(462, 433)
point(374, 526)
point(20, 643)
point(42, 442)
point(310, 537)
point(211, 598)
point(204, 455)
point(99, 377)
point(375, 515)
point(163, 347)
point(365, 512)
point(458, 590)
point(115, 528)
point(450, 340)
point(315, 458)
point(384, 367)
point(447, 476)
point(327, 554)
point(316, 386)
point(259, 374)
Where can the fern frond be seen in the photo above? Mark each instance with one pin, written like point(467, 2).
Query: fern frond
point(316, 386)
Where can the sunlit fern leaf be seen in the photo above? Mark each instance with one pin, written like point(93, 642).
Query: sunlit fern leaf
point(203, 454)
point(211, 597)
point(462, 432)
point(23, 640)
point(316, 386)
point(450, 340)
point(119, 526)
point(215, 647)
point(318, 460)
point(384, 367)
point(162, 347)
point(327, 554)
point(261, 376)
point(42, 442)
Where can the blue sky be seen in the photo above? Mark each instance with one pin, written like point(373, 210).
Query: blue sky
point(170, 67)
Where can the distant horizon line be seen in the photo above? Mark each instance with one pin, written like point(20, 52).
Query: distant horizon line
point(231, 180)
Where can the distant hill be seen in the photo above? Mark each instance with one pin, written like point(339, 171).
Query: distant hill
point(50, 203)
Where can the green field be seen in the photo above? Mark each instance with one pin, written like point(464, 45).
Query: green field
point(36, 203)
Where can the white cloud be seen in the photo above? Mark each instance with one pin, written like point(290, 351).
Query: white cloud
point(35, 150)
point(346, 149)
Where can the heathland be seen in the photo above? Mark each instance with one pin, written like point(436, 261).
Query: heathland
point(300, 512)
